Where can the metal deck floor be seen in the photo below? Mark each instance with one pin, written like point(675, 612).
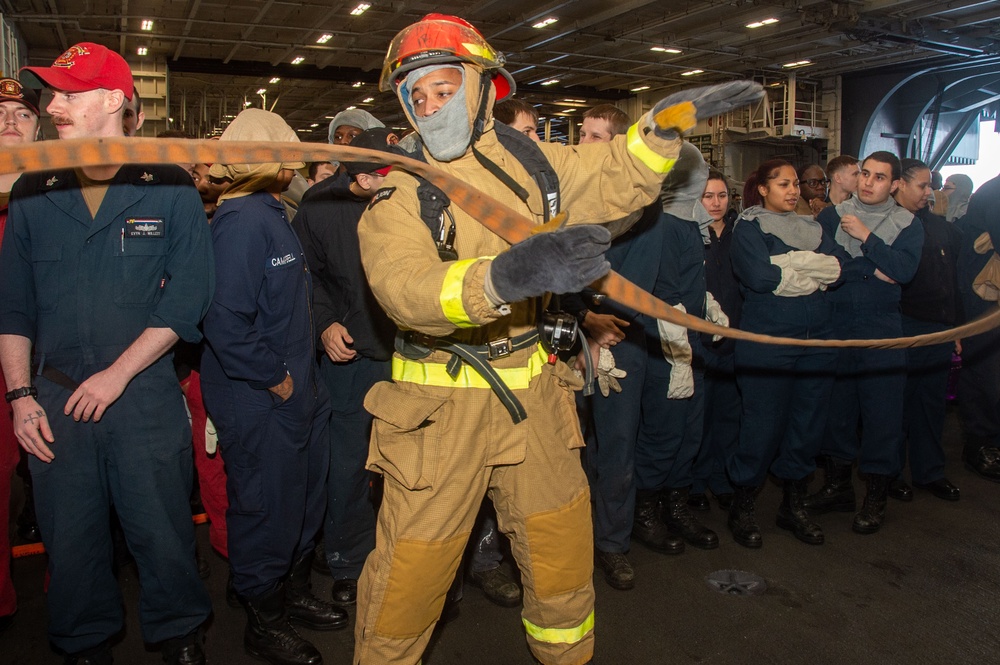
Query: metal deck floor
point(923, 590)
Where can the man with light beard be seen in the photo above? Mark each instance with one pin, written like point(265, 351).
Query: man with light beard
point(102, 270)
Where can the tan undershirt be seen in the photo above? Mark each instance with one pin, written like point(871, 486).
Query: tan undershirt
point(4, 199)
point(93, 191)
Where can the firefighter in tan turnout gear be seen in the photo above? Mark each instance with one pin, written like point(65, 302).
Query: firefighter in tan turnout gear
point(476, 404)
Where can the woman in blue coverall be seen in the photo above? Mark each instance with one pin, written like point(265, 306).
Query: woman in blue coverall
point(783, 262)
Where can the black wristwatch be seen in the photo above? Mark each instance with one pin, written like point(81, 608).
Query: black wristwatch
point(18, 393)
point(582, 315)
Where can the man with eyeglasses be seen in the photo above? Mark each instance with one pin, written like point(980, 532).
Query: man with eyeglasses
point(812, 185)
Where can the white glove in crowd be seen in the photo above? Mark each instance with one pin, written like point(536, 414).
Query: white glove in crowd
point(677, 351)
point(608, 374)
point(714, 314)
point(804, 272)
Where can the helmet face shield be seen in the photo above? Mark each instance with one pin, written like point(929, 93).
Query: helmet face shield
point(437, 38)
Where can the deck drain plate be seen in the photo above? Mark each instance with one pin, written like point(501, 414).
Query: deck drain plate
point(736, 583)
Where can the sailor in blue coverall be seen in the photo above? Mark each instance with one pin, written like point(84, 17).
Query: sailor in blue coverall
point(258, 375)
point(83, 288)
point(870, 383)
point(673, 400)
point(785, 389)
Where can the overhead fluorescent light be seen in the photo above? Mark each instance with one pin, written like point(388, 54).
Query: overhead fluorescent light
point(357, 84)
point(640, 88)
point(315, 124)
point(147, 24)
point(545, 22)
point(274, 80)
point(350, 108)
point(324, 38)
point(302, 129)
point(246, 103)
point(298, 60)
point(762, 23)
point(665, 49)
point(550, 82)
point(367, 100)
point(693, 72)
point(142, 50)
point(800, 63)
point(262, 91)
point(361, 9)
point(576, 101)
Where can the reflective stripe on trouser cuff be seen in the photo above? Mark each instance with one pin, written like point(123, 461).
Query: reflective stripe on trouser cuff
point(657, 163)
point(560, 635)
point(451, 293)
point(436, 374)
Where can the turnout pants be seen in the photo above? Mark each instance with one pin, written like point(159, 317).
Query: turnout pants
point(137, 457)
point(441, 449)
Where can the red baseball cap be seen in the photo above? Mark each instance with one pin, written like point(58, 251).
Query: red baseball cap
point(85, 66)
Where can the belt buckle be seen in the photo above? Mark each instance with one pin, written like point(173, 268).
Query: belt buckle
point(499, 348)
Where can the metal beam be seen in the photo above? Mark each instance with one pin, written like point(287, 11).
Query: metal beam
point(955, 137)
point(186, 30)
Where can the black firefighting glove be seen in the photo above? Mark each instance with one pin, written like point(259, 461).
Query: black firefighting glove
point(679, 112)
point(563, 261)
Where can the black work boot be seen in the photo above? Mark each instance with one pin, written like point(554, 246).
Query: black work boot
point(616, 568)
point(742, 520)
point(677, 516)
point(793, 517)
point(837, 492)
point(184, 650)
point(497, 586)
point(648, 529)
point(98, 655)
point(302, 606)
point(270, 637)
point(869, 519)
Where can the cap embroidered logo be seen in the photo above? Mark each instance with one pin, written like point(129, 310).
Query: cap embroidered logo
point(68, 59)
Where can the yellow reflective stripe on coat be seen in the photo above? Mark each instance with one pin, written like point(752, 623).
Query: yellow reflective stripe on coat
point(645, 154)
point(436, 374)
point(560, 635)
point(451, 294)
